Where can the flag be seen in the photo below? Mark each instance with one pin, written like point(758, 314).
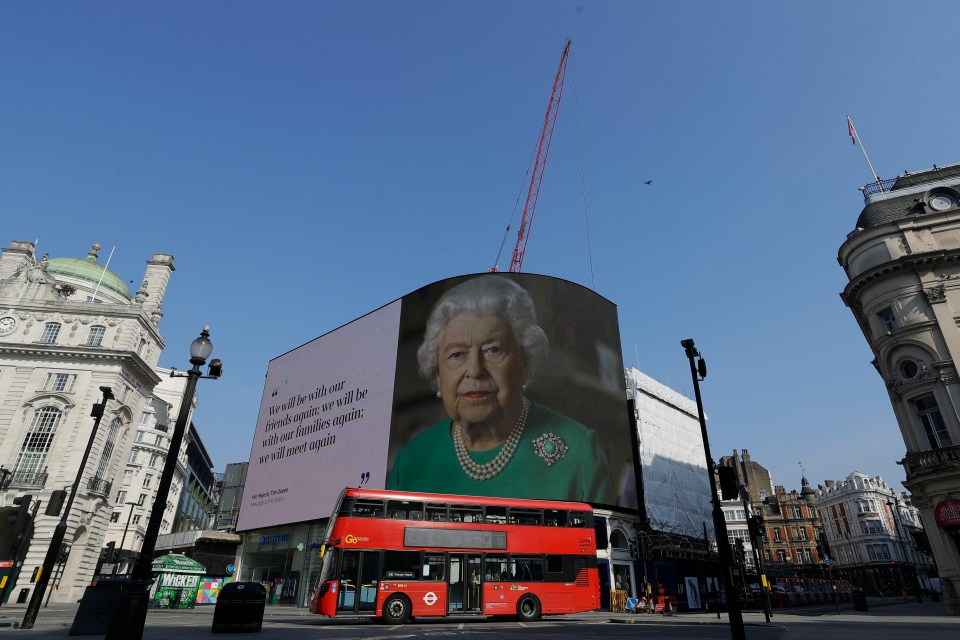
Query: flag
point(853, 134)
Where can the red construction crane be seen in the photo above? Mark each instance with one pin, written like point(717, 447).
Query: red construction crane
point(543, 149)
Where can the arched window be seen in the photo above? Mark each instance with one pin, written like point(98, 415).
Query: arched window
point(618, 540)
point(33, 452)
point(50, 332)
point(108, 449)
point(95, 337)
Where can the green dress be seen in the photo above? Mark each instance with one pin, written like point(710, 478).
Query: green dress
point(429, 463)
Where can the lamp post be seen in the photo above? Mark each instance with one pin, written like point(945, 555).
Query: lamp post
point(895, 507)
point(131, 611)
point(123, 539)
point(698, 371)
point(36, 599)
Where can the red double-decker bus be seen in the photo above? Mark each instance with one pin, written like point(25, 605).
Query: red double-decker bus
point(396, 555)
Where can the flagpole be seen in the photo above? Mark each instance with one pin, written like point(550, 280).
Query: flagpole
point(104, 271)
point(856, 138)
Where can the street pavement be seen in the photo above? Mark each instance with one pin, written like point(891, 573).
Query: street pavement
point(885, 616)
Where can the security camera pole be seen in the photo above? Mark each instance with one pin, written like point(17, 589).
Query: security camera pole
point(36, 599)
point(698, 371)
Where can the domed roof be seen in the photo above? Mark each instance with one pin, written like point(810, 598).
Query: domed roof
point(88, 269)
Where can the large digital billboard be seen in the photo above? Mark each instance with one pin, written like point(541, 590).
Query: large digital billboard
point(493, 384)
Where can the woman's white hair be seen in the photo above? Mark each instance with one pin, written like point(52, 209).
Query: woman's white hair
point(493, 295)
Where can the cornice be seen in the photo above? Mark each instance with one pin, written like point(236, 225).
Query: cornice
point(129, 360)
point(106, 310)
point(893, 268)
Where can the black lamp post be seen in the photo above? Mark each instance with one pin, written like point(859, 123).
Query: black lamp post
point(61, 529)
point(895, 508)
point(131, 611)
point(698, 371)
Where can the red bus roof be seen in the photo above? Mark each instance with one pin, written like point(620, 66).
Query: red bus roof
point(384, 494)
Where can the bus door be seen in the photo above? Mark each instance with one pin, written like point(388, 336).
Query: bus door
point(358, 581)
point(463, 591)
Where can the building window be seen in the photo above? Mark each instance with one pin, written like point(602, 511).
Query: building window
point(801, 533)
point(888, 320)
point(797, 512)
point(108, 449)
point(159, 440)
point(139, 436)
point(93, 300)
point(878, 551)
point(142, 499)
point(121, 497)
point(781, 555)
point(95, 337)
point(153, 460)
point(60, 382)
point(133, 456)
point(33, 452)
point(909, 369)
point(147, 480)
point(136, 519)
point(50, 332)
point(776, 535)
point(932, 421)
point(127, 476)
point(115, 516)
point(145, 417)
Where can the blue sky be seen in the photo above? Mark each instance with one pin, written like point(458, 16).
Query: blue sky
point(308, 162)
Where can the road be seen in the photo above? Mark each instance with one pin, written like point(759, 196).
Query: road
point(886, 620)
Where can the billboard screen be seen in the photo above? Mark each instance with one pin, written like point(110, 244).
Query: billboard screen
point(495, 384)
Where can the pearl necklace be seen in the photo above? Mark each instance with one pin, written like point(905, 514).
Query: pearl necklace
point(493, 468)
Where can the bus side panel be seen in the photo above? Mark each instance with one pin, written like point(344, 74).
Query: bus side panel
point(327, 603)
point(426, 598)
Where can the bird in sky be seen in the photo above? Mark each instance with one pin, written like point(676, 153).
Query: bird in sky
point(648, 182)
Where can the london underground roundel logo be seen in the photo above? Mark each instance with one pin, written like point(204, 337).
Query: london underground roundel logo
point(430, 598)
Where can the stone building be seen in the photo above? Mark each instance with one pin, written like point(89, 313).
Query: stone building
point(903, 264)
point(69, 326)
point(869, 529)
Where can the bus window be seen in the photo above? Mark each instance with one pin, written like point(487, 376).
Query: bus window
point(496, 515)
point(436, 512)
point(401, 565)
point(527, 569)
point(554, 564)
point(526, 516)
point(496, 569)
point(346, 507)
point(465, 513)
point(554, 518)
point(404, 510)
point(580, 519)
point(433, 567)
point(367, 509)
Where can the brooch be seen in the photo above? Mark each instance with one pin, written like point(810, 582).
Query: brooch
point(550, 447)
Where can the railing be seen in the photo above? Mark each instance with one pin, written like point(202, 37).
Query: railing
point(945, 460)
point(29, 478)
point(880, 186)
point(99, 485)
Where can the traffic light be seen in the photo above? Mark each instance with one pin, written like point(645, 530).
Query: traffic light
point(19, 519)
point(757, 530)
point(728, 483)
point(63, 554)
point(111, 557)
point(739, 552)
point(55, 503)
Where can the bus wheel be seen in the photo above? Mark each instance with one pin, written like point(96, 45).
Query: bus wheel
point(528, 609)
point(396, 610)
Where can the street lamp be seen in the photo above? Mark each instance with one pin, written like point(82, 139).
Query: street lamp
point(131, 611)
point(61, 529)
point(895, 508)
point(698, 371)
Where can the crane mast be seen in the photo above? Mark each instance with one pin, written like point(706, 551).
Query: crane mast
point(543, 150)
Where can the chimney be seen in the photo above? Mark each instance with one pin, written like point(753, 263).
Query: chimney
point(155, 281)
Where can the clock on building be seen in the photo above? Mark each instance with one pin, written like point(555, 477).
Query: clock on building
point(7, 325)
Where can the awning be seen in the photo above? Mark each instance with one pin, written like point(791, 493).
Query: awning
point(177, 563)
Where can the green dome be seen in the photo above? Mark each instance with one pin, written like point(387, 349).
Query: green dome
point(88, 269)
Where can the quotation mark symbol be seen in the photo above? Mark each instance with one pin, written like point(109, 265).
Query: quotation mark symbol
point(275, 392)
point(364, 478)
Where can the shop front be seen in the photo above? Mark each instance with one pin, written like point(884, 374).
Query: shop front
point(275, 558)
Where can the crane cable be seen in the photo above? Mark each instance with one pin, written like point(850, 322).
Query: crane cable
point(516, 204)
point(583, 176)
